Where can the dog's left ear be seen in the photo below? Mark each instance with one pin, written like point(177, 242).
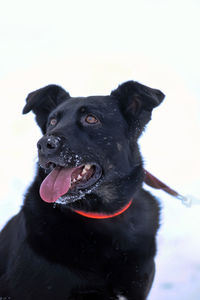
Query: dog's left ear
point(137, 101)
point(43, 101)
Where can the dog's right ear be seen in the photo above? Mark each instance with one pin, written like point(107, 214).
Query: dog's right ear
point(43, 101)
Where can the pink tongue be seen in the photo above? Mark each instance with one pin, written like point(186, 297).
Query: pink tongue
point(56, 184)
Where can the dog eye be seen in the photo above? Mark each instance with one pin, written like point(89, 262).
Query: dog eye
point(91, 119)
point(53, 122)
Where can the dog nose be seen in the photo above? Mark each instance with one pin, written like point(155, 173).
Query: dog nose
point(48, 144)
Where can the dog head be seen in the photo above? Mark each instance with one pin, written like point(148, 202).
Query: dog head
point(89, 148)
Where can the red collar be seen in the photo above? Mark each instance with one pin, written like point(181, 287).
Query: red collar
point(94, 215)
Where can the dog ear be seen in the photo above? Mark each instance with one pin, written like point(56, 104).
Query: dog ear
point(43, 101)
point(137, 101)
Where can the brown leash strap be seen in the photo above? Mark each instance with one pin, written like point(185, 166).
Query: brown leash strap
point(154, 182)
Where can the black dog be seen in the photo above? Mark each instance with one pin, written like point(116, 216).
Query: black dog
point(87, 228)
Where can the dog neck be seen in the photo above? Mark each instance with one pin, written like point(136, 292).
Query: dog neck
point(95, 215)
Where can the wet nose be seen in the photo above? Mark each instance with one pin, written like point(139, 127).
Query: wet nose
point(48, 144)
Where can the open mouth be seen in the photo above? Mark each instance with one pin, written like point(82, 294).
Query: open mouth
point(65, 185)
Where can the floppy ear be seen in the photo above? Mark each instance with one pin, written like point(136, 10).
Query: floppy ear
point(43, 101)
point(137, 101)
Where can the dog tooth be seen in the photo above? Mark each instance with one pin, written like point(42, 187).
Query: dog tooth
point(87, 167)
point(84, 172)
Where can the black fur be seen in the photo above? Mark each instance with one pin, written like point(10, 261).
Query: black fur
point(48, 251)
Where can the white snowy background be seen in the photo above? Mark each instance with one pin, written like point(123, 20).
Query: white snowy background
point(89, 47)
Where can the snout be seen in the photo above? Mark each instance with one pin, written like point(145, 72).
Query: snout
point(55, 151)
point(48, 145)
